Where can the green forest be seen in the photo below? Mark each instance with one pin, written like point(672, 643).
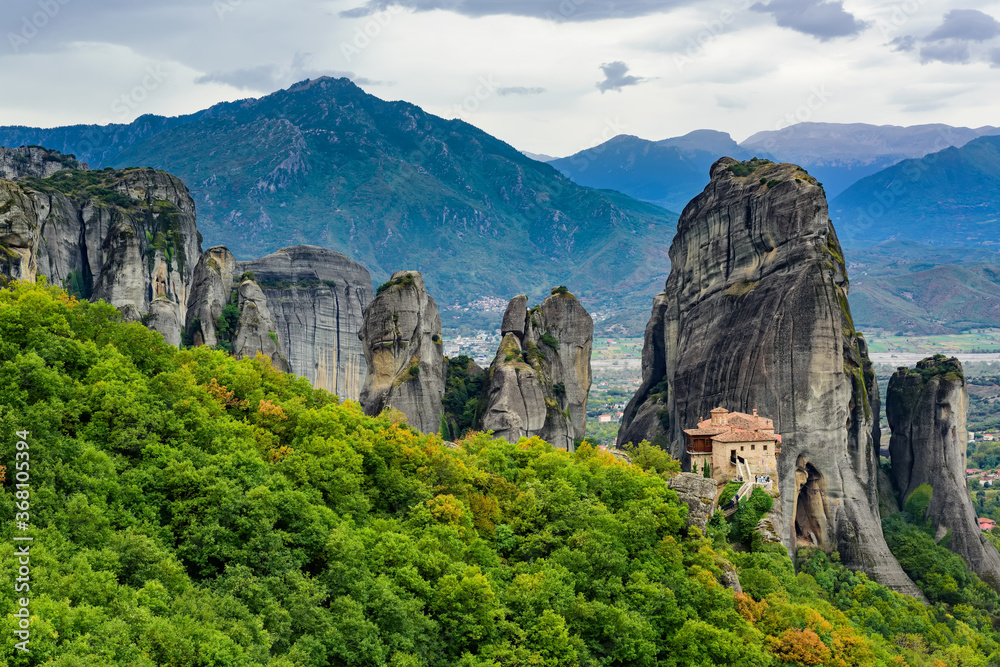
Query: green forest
point(190, 509)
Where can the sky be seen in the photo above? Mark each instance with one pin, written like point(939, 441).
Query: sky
point(547, 76)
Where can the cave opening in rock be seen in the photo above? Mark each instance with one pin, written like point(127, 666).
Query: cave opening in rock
point(810, 506)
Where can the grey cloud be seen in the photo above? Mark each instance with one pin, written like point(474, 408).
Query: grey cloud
point(553, 10)
point(520, 90)
point(965, 24)
point(994, 58)
point(946, 52)
point(903, 43)
point(731, 102)
point(268, 78)
point(616, 77)
point(825, 20)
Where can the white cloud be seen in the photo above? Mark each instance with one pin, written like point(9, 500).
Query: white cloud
point(713, 65)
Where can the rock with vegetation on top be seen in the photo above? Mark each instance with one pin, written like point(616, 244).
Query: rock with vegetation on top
point(927, 408)
point(540, 378)
point(404, 352)
point(755, 315)
point(317, 298)
point(125, 236)
point(34, 161)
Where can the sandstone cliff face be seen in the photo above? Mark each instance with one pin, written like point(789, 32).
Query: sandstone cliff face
point(19, 236)
point(540, 378)
point(755, 315)
point(128, 237)
point(210, 292)
point(927, 409)
point(404, 352)
point(317, 298)
point(256, 330)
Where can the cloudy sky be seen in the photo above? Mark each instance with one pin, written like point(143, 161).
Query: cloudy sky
point(548, 76)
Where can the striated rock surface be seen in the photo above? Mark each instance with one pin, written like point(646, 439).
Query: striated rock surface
point(698, 493)
point(125, 236)
point(927, 409)
point(404, 352)
point(540, 378)
point(317, 298)
point(211, 291)
point(19, 237)
point(256, 330)
point(129, 237)
point(755, 315)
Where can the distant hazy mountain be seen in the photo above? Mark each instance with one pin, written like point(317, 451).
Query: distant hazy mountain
point(392, 187)
point(839, 154)
point(672, 171)
point(902, 286)
point(668, 172)
point(948, 198)
point(541, 157)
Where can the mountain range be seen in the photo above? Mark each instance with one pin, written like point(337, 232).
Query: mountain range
point(948, 198)
point(390, 186)
point(671, 172)
point(393, 187)
point(904, 286)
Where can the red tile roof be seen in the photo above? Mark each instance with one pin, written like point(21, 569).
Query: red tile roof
point(740, 427)
point(746, 436)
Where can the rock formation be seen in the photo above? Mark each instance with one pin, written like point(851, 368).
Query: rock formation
point(698, 493)
point(34, 161)
point(755, 315)
point(540, 378)
point(404, 352)
point(317, 298)
point(211, 291)
point(927, 409)
point(127, 236)
point(256, 330)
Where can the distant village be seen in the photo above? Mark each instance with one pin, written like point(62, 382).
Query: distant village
point(980, 479)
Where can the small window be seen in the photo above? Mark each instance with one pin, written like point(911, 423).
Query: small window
point(753, 447)
point(765, 448)
point(742, 448)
